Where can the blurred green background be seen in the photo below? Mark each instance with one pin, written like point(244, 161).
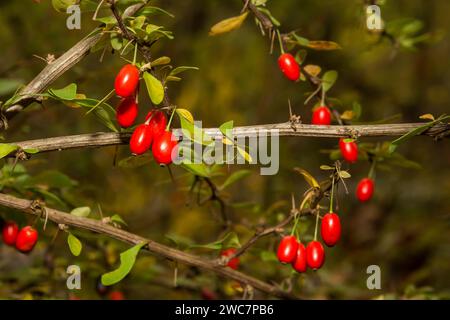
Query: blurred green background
point(404, 229)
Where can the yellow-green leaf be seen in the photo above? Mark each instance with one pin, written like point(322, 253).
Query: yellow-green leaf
point(75, 245)
point(127, 260)
point(185, 114)
point(308, 177)
point(244, 154)
point(154, 87)
point(347, 115)
point(6, 149)
point(427, 116)
point(228, 25)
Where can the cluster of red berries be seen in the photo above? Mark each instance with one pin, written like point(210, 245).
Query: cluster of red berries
point(292, 251)
point(23, 240)
point(153, 132)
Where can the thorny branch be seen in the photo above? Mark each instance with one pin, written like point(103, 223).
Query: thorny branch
point(62, 218)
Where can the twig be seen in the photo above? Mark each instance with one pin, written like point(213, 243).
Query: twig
point(97, 226)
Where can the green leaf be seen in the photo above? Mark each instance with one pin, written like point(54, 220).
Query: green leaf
point(31, 150)
point(81, 212)
point(75, 245)
point(234, 177)
point(160, 61)
point(67, 93)
point(227, 126)
point(394, 144)
point(357, 109)
point(116, 41)
point(154, 87)
point(8, 86)
point(127, 260)
point(199, 169)
point(344, 174)
point(118, 219)
point(185, 114)
point(180, 69)
point(108, 20)
point(103, 112)
point(149, 10)
point(329, 78)
point(326, 167)
point(300, 40)
point(6, 149)
point(62, 5)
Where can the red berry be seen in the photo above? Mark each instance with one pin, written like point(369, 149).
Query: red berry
point(349, 149)
point(10, 231)
point(321, 116)
point(330, 229)
point(287, 250)
point(233, 263)
point(116, 295)
point(158, 122)
point(141, 139)
point(364, 190)
point(127, 112)
point(127, 81)
point(289, 66)
point(26, 239)
point(164, 147)
point(315, 255)
point(299, 264)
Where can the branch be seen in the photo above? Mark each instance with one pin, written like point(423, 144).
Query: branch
point(55, 69)
point(102, 139)
point(59, 217)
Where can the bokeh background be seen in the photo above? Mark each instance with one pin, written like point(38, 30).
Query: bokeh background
point(404, 229)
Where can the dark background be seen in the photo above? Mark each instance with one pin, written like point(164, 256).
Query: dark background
point(404, 229)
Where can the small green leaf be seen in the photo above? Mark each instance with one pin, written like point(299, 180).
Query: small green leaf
point(31, 150)
point(326, 167)
point(199, 169)
point(127, 260)
point(6, 149)
point(185, 114)
point(180, 69)
point(81, 212)
point(118, 219)
point(75, 245)
point(154, 87)
point(67, 93)
point(227, 126)
point(116, 41)
point(234, 177)
point(160, 61)
point(344, 174)
point(329, 78)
